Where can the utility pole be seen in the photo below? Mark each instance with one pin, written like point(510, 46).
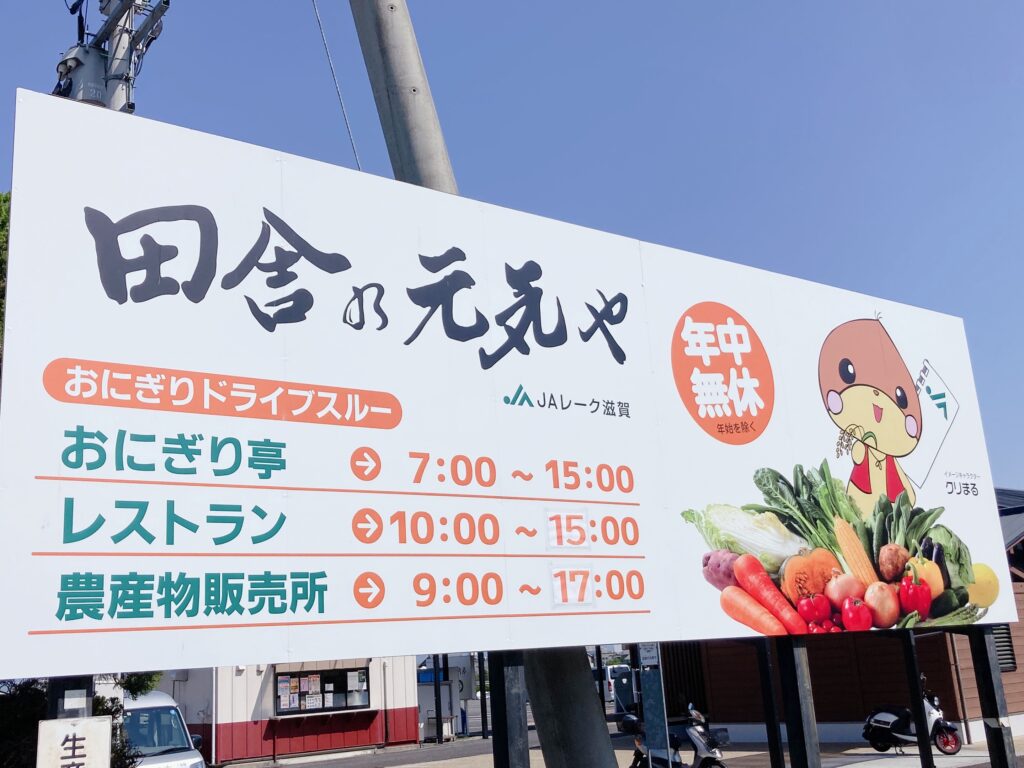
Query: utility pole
point(102, 70)
point(120, 56)
point(572, 728)
point(400, 89)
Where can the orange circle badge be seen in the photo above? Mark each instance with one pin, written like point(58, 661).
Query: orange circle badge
point(722, 373)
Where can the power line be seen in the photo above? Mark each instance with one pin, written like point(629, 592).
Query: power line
point(337, 87)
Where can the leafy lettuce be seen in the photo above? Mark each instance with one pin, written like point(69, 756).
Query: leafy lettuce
point(760, 534)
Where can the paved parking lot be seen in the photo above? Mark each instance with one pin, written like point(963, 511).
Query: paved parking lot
point(475, 752)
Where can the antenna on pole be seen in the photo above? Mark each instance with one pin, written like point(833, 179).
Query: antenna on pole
point(102, 70)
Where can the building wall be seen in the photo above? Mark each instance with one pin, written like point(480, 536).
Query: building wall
point(851, 674)
point(1013, 682)
point(245, 724)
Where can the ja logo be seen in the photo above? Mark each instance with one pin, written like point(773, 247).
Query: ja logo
point(939, 398)
point(519, 398)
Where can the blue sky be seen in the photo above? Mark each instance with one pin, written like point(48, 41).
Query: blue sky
point(874, 146)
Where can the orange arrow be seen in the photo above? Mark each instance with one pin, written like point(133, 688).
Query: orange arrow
point(367, 525)
point(365, 463)
point(368, 589)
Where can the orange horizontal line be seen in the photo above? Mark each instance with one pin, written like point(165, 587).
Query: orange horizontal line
point(322, 622)
point(372, 491)
point(499, 555)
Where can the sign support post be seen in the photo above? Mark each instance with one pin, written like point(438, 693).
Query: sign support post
point(652, 691)
point(570, 722)
point(438, 721)
point(801, 726)
point(634, 676)
point(482, 680)
point(511, 745)
point(992, 698)
point(419, 155)
point(771, 712)
point(924, 744)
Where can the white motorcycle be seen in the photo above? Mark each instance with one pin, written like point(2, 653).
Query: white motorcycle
point(707, 752)
point(893, 727)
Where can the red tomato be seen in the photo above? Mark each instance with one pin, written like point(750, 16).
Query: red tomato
point(822, 607)
point(856, 615)
point(815, 608)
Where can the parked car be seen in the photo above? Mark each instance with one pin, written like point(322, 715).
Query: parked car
point(154, 726)
point(611, 672)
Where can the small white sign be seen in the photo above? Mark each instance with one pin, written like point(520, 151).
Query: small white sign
point(74, 743)
point(649, 655)
point(75, 700)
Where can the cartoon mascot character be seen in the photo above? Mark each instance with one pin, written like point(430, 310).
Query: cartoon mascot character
point(870, 395)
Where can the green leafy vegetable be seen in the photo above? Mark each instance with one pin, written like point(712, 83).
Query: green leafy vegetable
point(968, 614)
point(760, 534)
point(958, 557)
point(800, 515)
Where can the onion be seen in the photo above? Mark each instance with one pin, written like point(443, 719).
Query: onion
point(842, 586)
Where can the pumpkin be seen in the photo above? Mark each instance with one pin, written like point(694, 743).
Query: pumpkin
point(806, 573)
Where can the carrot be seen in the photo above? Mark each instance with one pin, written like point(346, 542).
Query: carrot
point(740, 606)
point(853, 552)
point(754, 579)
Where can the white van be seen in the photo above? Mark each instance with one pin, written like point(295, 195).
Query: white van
point(611, 672)
point(154, 726)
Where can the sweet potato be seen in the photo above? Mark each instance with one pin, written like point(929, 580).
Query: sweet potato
point(718, 568)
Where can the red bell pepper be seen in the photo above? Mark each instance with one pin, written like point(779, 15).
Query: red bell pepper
point(915, 595)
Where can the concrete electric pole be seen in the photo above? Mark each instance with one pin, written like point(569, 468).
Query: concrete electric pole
point(570, 721)
point(404, 102)
point(102, 70)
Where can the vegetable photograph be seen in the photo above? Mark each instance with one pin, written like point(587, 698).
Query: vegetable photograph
point(802, 559)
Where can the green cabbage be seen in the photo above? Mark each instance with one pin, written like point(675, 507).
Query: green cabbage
point(760, 534)
point(958, 557)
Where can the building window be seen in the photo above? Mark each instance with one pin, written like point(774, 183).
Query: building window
point(322, 690)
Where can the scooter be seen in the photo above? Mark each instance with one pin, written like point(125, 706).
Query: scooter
point(707, 751)
point(889, 727)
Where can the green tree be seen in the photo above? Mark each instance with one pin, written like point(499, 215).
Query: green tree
point(138, 683)
point(23, 705)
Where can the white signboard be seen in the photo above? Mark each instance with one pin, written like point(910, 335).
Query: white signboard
point(649, 656)
point(74, 743)
point(257, 408)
